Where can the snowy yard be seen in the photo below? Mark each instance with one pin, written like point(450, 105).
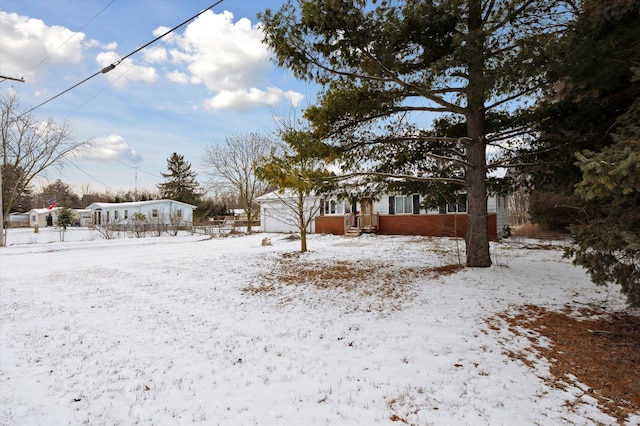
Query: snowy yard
point(372, 330)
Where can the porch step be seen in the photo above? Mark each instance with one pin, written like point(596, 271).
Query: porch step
point(353, 232)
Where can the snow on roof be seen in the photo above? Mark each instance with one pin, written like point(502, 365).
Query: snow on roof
point(42, 211)
point(135, 204)
point(277, 195)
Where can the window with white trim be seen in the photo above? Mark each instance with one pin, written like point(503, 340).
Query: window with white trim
point(404, 204)
point(460, 206)
point(328, 207)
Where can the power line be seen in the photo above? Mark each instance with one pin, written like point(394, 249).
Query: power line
point(73, 35)
point(115, 64)
point(119, 77)
point(92, 177)
point(21, 79)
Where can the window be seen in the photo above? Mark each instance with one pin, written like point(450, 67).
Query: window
point(126, 214)
point(115, 215)
point(179, 213)
point(154, 213)
point(404, 204)
point(327, 207)
point(460, 205)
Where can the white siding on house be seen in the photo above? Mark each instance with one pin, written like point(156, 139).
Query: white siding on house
point(38, 217)
point(277, 217)
point(17, 220)
point(154, 210)
point(499, 205)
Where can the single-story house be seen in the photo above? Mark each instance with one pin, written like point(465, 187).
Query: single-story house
point(156, 211)
point(17, 220)
point(49, 217)
point(391, 214)
point(43, 217)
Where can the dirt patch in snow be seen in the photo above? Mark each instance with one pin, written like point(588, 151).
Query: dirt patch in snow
point(377, 285)
point(597, 352)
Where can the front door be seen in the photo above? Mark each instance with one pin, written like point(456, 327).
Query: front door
point(366, 204)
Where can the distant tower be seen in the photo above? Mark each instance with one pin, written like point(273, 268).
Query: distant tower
point(135, 192)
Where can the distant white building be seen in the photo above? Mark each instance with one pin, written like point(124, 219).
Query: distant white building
point(43, 217)
point(49, 217)
point(17, 220)
point(83, 217)
point(157, 211)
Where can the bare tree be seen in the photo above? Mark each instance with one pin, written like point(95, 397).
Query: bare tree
point(29, 148)
point(233, 164)
point(519, 207)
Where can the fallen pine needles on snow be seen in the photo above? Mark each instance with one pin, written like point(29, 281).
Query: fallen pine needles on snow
point(595, 351)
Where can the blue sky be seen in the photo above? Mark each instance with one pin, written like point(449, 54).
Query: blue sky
point(212, 79)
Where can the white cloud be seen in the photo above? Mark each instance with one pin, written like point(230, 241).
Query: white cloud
point(26, 41)
point(243, 99)
point(228, 57)
point(178, 77)
point(109, 148)
point(294, 97)
point(125, 71)
point(110, 46)
point(155, 55)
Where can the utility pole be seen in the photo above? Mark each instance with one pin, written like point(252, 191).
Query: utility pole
point(4, 160)
point(2, 239)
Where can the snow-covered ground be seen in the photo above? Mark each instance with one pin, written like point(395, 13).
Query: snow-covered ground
point(186, 329)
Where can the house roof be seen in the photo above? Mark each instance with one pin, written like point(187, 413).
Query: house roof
point(277, 195)
point(42, 211)
point(134, 204)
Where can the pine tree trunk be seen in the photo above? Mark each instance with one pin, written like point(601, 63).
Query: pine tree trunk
point(477, 238)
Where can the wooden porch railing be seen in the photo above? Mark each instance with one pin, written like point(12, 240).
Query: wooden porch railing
point(361, 222)
point(350, 221)
point(369, 222)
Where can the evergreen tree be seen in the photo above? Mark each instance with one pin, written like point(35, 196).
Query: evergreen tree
point(592, 86)
point(592, 113)
point(65, 216)
point(211, 208)
point(608, 245)
point(385, 64)
point(180, 184)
